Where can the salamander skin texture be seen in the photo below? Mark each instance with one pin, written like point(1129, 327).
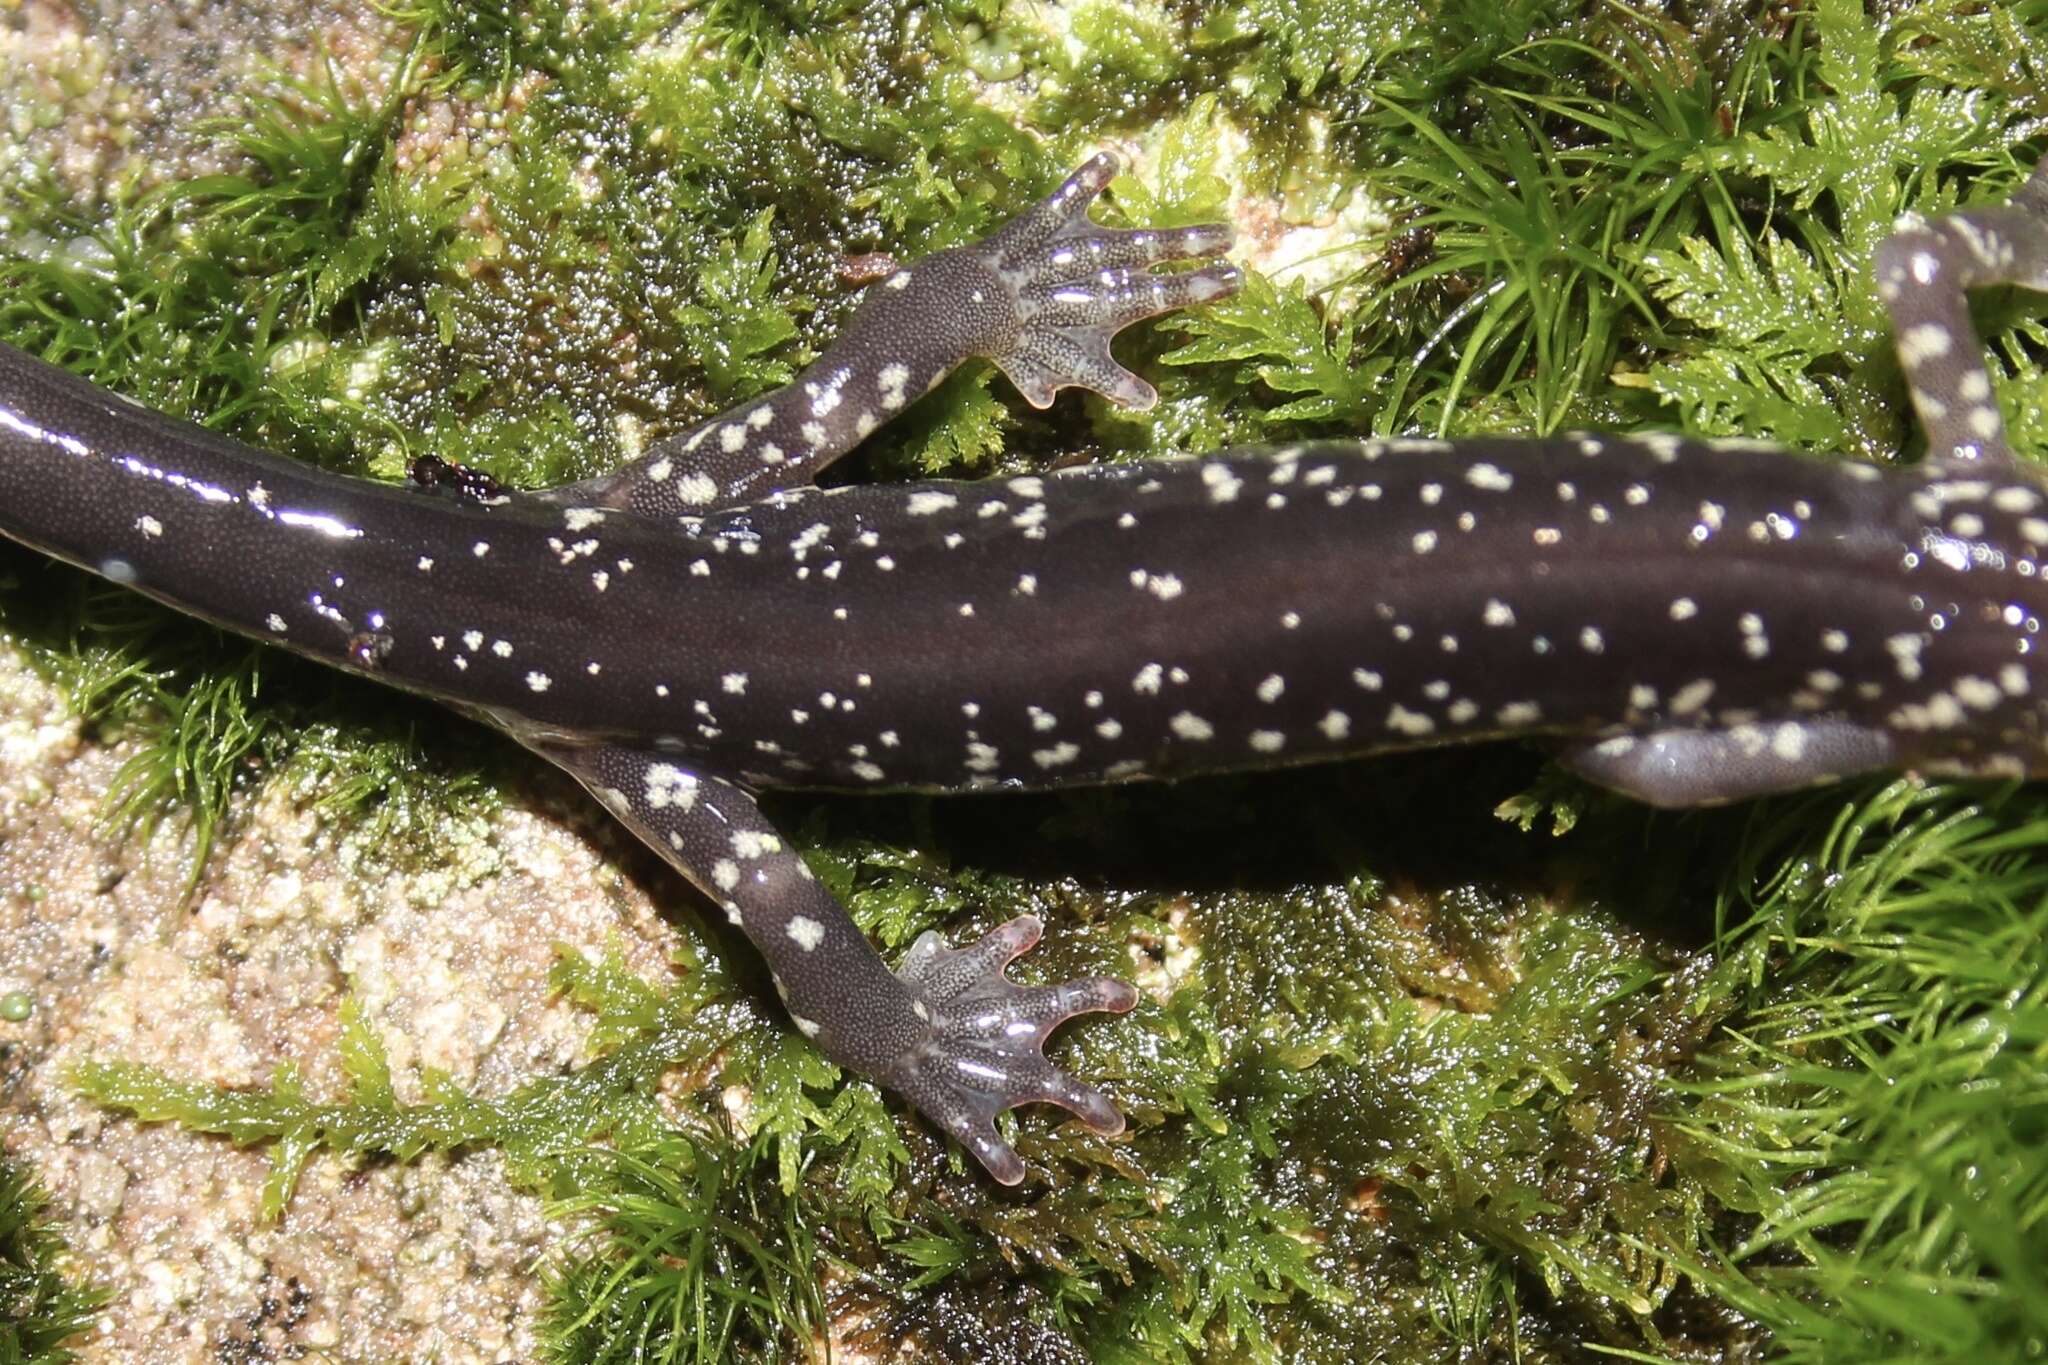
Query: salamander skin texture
point(1689, 622)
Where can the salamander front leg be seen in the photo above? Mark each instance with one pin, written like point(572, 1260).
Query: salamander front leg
point(1041, 297)
point(1923, 269)
point(948, 1032)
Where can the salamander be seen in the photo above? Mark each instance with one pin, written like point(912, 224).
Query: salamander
point(1685, 621)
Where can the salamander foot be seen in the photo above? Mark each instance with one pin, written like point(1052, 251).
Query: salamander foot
point(1075, 285)
point(982, 1053)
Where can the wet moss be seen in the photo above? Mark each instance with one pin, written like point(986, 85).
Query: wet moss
point(45, 1305)
point(1410, 1083)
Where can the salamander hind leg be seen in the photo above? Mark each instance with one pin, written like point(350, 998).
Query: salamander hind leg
point(948, 1032)
point(1923, 269)
point(1681, 768)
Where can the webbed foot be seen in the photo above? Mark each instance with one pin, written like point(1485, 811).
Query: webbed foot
point(1075, 285)
point(982, 1052)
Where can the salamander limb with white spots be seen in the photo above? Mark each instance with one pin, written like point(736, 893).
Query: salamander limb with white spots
point(1689, 621)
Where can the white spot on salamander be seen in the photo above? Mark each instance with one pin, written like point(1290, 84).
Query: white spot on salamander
point(754, 843)
point(1222, 482)
point(1164, 586)
point(1922, 343)
point(890, 381)
point(668, 785)
point(805, 932)
point(1403, 721)
point(1905, 651)
point(1691, 697)
point(1981, 693)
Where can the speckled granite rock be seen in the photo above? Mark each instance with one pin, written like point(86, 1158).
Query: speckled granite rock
point(121, 95)
point(431, 1261)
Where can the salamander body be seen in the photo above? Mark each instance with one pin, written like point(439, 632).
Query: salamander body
point(1689, 621)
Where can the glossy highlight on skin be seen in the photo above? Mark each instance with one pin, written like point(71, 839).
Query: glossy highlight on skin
point(1688, 621)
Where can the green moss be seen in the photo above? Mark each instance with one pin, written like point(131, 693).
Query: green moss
point(1413, 1083)
point(42, 1307)
point(692, 1263)
point(1878, 1117)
